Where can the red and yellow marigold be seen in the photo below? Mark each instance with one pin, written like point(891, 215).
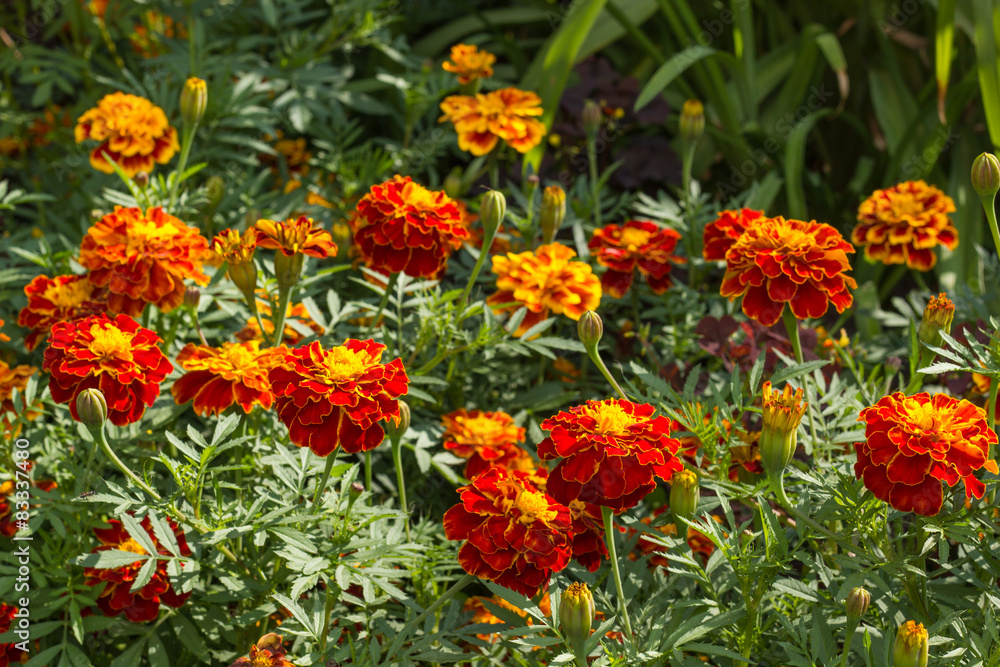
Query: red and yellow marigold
point(589, 547)
point(515, 535)
point(914, 443)
point(52, 300)
point(269, 651)
point(486, 439)
point(337, 397)
point(720, 235)
point(469, 63)
point(143, 258)
point(484, 119)
point(133, 132)
point(117, 597)
point(218, 377)
point(11, 378)
point(8, 500)
point(905, 223)
point(546, 280)
point(295, 235)
point(612, 453)
point(778, 261)
point(638, 244)
point(116, 356)
point(10, 654)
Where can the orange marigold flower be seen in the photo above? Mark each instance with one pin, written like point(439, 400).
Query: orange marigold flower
point(9, 653)
point(116, 356)
point(337, 397)
point(234, 248)
point(52, 300)
point(293, 313)
point(469, 63)
point(482, 615)
point(905, 223)
point(638, 244)
point(542, 281)
point(133, 132)
point(515, 535)
point(143, 258)
point(401, 226)
point(778, 261)
point(269, 651)
point(486, 439)
point(914, 443)
point(295, 235)
point(117, 596)
point(612, 452)
point(217, 377)
point(720, 235)
point(486, 118)
point(8, 527)
point(12, 378)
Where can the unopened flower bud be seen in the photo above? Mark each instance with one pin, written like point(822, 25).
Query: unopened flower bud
point(141, 179)
point(986, 175)
point(533, 180)
point(192, 297)
point(910, 649)
point(215, 190)
point(453, 186)
point(591, 117)
point(194, 100)
point(747, 538)
point(590, 328)
point(395, 429)
point(938, 316)
point(857, 603)
point(782, 414)
point(492, 210)
point(356, 489)
point(684, 494)
point(576, 613)
point(552, 213)
point(91, 408)
point(692, 121)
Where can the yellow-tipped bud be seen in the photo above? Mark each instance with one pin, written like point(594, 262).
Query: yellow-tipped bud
point(986, 175)
point(591, 117)
point(553, 212)
point(692, 121)
point(492, 210)
point(938, 316)
point(910, 649)
point(91, 408)
point(576, 612)
point(684, 494)
point(590, 328)
point(857, 603)
point(782, 414)
point(194, 100)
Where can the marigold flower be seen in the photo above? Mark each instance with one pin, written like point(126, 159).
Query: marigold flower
point(484, 119)
point(116, 356)
point(133, 132)
point(269, 651)
point(401, 226)
point(143, 258)
point(938, 316)
point(638, 244)
point(782, 414)
point(612, 452)
point(778, 261)
point(295, 235)
point(469, 63)
point(117, 596)
point(576, 612)
point(589, 547)
point(515, 535)
point(12, 378)
point(218, 377)
point(337, 397)
point(911, 645)
point(58, 299)
point(486, 439)
point(542, 281)
point(9, 653)
point(720, 235)
point(905, 223)
point(8, 526)
point(914, 443)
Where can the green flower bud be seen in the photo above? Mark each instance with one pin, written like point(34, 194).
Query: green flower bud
point(590, 328)
point(395, 429)
point(592, 118)
point(576, 613)
point(194, 100)
point(778, 439)
point(141, 179)
point(552, 213)
point(684, 494)
point(192, 297)
point(937, 317)
point(910, 649)
point(91, 408)
point(355, 489)
point(986, 175)
point(857, 603)
point(492, 210)
point(692, 121)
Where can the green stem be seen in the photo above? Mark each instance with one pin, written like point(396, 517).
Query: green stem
point(86, 474)
point(102, 440)
point(397, 461)
point(609, 537)
point(595, 188)
point(991, 215)
point(890, 283)
point(691, 236)
point(330, 459)
point(278, 316)
point(389, 286)
point(991, 407)
point(792, 328)
point(595, 356)
point(484, 252)
point(368, 472)
point(181, 163)
point(847, 644)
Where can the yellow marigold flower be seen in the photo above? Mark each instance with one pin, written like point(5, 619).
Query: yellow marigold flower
point(910, 648)
point(218, 377)
point(905, 223)
point(782, 415)
point(486, 439)
point(484, 119)
point(546, 280)
point(133, 132)
point(469, 63)
point(295, 235)
point(53, 300)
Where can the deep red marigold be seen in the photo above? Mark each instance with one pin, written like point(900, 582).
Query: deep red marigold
point(116, 356)
point(133, 132)
point(486, 439)
point(402, 226)
point(778, 261)
point(9, 653)
point(484, 119)
point(589, 547)
point(612, 452)
point(217, 377)
point(638, 244)
point(295, 235)
point(337, 397)
point(117, 596)
point(58, 299)
point(905, 223)
point(546, 280)
point(269, 651)
point(143, 258)
point(515, 535)
point(914, 443)
point(720, 235)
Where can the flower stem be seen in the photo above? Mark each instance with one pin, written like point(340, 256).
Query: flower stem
point(86, 474)
point(278, 315)
point(595, 188)
point(595, 356)
point(389, 286)
point(484, 251)
point(330, 459)
point(368, 471)
point(102, 441)
point(847, 644)
point(792, 328)
point(609, 537)
point(181, 163)
point(991, 408)
point(397, 461)
point(991, 216)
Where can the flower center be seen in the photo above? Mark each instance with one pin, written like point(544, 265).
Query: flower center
point(905, 206)
point(69, 295)
point(342, 364)
point(913, 633)
point(634, 238)
point(533, 507)
point(143, 233)
point(238, 356)
point(110, 343)
point(484, 430)
point(610, 417)
point(131, 546)
point(924, 417)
